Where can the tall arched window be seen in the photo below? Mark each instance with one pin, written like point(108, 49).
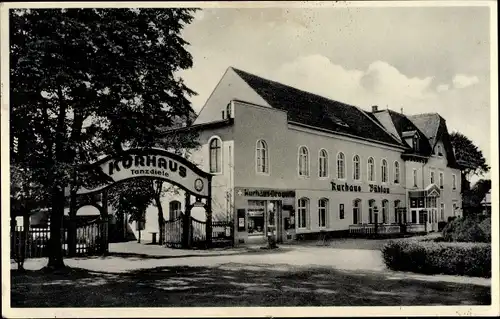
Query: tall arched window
point(356, 168)
point(356, 211)
point(384, 171)
point(262, 157)
point(396, 172)
point(341, 166)
point(215, 155)
point(371, 207)
point(385, 211)
point(303, 161)
point(439, 152)
point(397, 214)
point(174, 209)
point(323, 163)
point(322, 212)
point(303, 212)
point(371, 169)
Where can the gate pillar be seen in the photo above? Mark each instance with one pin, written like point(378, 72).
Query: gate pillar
point(186, 225)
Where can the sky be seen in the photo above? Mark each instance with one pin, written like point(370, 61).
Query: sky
point(419, 59)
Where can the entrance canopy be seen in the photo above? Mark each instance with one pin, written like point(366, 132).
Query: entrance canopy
point(431, 190)
point(149, 163)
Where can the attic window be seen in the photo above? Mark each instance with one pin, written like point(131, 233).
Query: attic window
point(439, 151)
point(415, 143)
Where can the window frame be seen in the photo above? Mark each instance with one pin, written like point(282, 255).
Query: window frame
point(441, 180)
point(265, 148)
point(415, 177)
point(382, 171)
point(306, 212)
point(356, 205)
point(343, 178)
point(397, 172)
point(326, 163)
point(454, 182)
point(323, 209)
point(308, 164)
point(171, 211)
point(373, 177)
point(384, 211)
point(358, 164)
point(210, 141)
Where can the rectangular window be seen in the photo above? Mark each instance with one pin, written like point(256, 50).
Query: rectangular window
point(256, 217)
point(454, 181)
point(432, 177)
point(414, 177)
point(303, 211)
point(441, 180)
point(442, 211)
point(341, 211)
point(414, 216)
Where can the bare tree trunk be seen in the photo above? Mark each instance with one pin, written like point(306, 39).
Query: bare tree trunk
point(56, 217)
point(161, 220)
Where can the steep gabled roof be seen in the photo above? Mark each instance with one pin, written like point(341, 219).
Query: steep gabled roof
point(317, 111)
point(404, 125)
point(427, 123)
point(430, 126)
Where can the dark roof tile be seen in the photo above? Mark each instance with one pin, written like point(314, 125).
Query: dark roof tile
point(317, 111)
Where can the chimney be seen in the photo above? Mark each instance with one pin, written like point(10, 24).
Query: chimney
point(401, 110)
point(374, 108)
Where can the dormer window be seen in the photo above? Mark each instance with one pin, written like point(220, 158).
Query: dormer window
point(439, 151)
point(415, 142)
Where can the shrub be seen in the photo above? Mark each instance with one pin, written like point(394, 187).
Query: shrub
point(485, 227)
point(467, 230)
point(469, 259)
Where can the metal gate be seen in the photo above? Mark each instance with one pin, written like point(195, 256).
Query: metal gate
point(173, 235)
point(91, 239)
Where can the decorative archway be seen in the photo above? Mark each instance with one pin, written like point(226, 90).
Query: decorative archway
point(152, 163)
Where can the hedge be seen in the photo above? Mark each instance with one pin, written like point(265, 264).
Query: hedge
point(468, 259)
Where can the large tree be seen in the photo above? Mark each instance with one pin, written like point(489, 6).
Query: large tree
point(85, 82)
point(469, 157)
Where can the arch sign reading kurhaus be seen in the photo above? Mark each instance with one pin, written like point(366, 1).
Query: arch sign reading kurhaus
point(152, 163)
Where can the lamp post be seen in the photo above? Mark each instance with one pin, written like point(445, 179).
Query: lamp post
point(271, 229)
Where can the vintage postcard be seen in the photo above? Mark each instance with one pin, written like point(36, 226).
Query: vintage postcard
point(283, 159)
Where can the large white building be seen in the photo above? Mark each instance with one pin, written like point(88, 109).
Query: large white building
point(324, 165)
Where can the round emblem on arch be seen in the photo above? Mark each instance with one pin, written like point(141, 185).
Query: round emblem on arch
point(198, 184)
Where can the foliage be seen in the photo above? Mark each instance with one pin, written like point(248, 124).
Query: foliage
point(469, 156)
point(86, 82)
point(132, 197)
point(471, 199)
point(25, 193)
point(469, 259)
point(468, 229)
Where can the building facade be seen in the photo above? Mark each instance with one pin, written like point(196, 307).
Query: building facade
point(306, 164)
